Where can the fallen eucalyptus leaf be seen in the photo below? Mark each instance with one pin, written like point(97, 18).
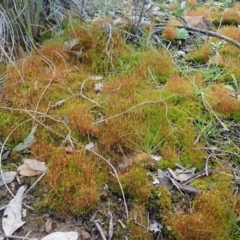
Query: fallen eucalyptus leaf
point(184, 174)
point(12, 216)
point(26, 171)
point(8, 177)
point(36, 165)
point(28, 141)
point(198, 22)
point(62, 236)
point(31, 167)
point(164, 178)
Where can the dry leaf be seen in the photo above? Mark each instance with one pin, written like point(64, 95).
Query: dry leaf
point(36, 165)
point(28, 141)
point(12, 216)
point(48, 225)
point(198, 22)
point(31, 167)
point(26, 171)
point(184, 174)
point(217, 59)
point(8, 177)
point(85, 235)
point(62, 236)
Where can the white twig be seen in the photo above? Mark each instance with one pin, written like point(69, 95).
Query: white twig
point(110, 231)
point(131, 108)
point(116, 175)
point(100, 230)
point(81, 93)
point(33, 185)
point(209, 108)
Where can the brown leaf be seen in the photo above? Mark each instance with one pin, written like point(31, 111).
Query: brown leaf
point(105, 193)
point(198, 22)
point(85, 235)
point(26, 171)
point(217, 59)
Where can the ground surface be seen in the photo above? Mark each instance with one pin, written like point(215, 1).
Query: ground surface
point(135, 115)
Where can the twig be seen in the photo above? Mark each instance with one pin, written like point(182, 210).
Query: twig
point(206, 32)
point(108, 45)
point(210, 33)
point(1, 152)
point(81, 93)
point(18, 237)
point(122, 224)
point(131, 108)
point(33, 185)
point(116, 175)
point(184, 188)
point(206, 164)
point(46, 88)
point(43, 115)
point(195, 176)
point(140, 17)
point(110, 231)
point(209, 108)
point(100, 230)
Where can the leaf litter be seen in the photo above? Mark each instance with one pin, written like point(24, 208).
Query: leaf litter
point(28, 141)
point(7, 177)
point(12, 216)
point(31, 167)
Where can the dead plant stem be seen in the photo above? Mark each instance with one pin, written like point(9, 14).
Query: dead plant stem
point(116, 175)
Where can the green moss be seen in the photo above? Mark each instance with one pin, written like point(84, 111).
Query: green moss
point(137, 185)
point(210, 219)
point(76, 185)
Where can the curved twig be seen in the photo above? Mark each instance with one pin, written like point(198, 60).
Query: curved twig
point(210, 33)
point(206, 32)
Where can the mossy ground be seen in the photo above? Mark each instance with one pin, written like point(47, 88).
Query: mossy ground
point(147, 105)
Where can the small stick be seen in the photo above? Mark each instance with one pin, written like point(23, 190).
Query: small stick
point(100, 230)
point(211, 33)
